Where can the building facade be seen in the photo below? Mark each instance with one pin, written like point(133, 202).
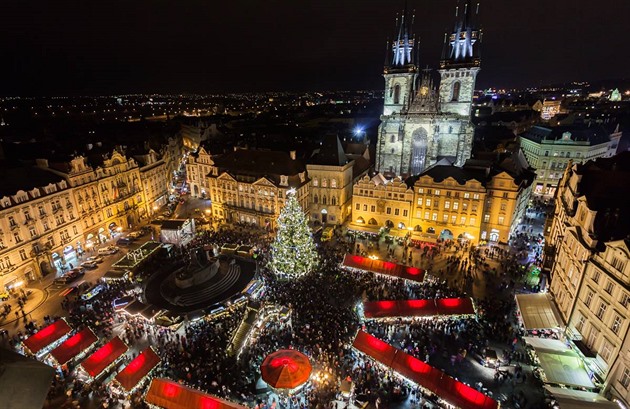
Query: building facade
point(333, 174)
point(107, 189)
point(250, 186)
point(481, 201)
point(156, 178)
point(421, 124)
point(40, 229)
point(549, 150)
point(197, 169)
point(590, 273)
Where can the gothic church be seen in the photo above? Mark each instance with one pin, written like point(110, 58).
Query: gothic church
point(422, 125)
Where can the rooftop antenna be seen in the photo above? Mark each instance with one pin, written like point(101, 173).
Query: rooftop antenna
point(477, 12)
point(465, 8)
point(456, 11)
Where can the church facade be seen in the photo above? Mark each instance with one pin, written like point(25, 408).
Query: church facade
point(421, 123)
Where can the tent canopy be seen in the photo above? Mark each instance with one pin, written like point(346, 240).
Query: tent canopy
point(46, 336)
point(286, 369)
point(572, 399)
point(96, 363)
point(549, 345)
point(73, 346)
point(418, 308)
point(448, 388)
point(167, 394)
point(564, 368)
point(538, 311)
point(137, 369)
point(384, 267)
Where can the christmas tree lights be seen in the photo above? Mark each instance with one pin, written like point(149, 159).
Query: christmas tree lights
point(293, 252)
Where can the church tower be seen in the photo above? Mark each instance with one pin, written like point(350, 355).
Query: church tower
point(460, 62)
point(400, 70)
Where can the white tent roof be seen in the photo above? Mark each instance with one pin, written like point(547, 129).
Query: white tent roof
point(572, 399)
point(538, 311)
point(550, 345)
point(564, 368)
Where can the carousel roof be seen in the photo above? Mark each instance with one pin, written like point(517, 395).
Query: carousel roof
point(286, 369)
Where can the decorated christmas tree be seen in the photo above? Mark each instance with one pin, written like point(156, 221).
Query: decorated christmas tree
point(293, 252)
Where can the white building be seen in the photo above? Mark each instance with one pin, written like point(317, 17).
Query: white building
point(549, 150)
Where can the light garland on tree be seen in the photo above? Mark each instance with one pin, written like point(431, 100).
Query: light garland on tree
point(293, 252)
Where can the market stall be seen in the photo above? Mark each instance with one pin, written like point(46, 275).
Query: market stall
point(538, 313)
point(419, 308)
point(47, 338)
point(387, 268)
point(104, 358)
point(573, 399)
point(74, 347)
point(137, 370)
point(167, 394)
point(558, 363)
point(431, 379)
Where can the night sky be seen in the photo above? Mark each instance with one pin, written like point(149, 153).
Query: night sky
point(184, 46)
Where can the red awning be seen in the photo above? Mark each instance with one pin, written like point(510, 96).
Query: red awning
point(138, 369)
point(167, 394)
point(46, 336)
point(286, 369)
point(104, 357)
point(447, 388)
point(374, 347)
point(417, 371)
point(455, 306)
point(418, 308)
point(73, 346)
point(384, 267)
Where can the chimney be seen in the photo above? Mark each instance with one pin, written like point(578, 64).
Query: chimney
point(292, 154)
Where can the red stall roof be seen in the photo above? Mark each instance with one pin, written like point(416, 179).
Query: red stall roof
point(104, 356)
point(433, 379)
point(374, 347)
point(167, 394)
point(73, 346)
point(46, 336)
point(384, 267)
point(418, 308)
point(455, 306)
point(138, 369)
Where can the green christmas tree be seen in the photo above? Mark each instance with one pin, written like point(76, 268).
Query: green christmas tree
point(293, 252)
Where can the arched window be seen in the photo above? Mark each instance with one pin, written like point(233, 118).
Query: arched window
point(397, 94)
point(456, 87)
point(324, 200)
point(315, 199)
point(333, 201)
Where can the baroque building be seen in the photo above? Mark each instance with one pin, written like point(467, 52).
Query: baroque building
point(250, 186)
point(590, 274)
point(333, 173)
point(39, 225)
point(550, 149)
point(107, 189)
point(481, 201)
point(197, 169)
point(422, 124)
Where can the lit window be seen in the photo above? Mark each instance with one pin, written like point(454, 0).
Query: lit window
point(466, 195)
point(447, 204)
point(333, 183)
point(427, 202)
point(437, 192)
point(455, 205)
point(434, 217)
point(616, 326)
point(486, 218)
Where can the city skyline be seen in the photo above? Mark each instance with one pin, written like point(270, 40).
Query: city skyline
point(61, 49)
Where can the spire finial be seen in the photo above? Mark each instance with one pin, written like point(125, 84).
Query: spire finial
point(477, 12)
point(456, 10)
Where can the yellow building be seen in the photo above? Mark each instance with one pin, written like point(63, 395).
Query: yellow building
point(378, 202)
point(39, 226)
point(250, 186)
point(333, 174)
point(107, 189)
point(481, 201)
point(197, 169)
point(156, 178)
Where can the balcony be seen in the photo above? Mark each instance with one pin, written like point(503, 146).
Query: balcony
point(56, 209)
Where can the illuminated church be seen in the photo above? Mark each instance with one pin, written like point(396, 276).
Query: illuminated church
point(421, 123)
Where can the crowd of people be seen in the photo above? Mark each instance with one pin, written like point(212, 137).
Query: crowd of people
point(322, 323)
